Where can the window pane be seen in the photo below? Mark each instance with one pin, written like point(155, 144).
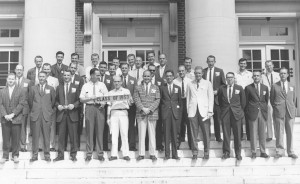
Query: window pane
point(256, 65)
point(117, 32)
point(249, 66)
point(276, 64)
point(140, 53)
point(285, 64)
point(274, 54)
point(247, 54)
point(111, 55)
point(284, 54)
point(278, 31)
point(3, 69)
point(255, 31)
point(145, 32)
point(3, 56)
point(13, 66)
point(256, 54)
point(4, 33)
point(122, 55)
point(2, 80)
point(14, 56)
point(246, 31)
point(14, 33)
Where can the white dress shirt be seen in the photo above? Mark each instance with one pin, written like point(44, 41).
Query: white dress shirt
point(124, 104)
point(10, 90)
point(211, 73)
point(228, 95)
point(285, 85)
point(161, 70)
point(178, 82)
point(145, 86)
point(87, 90)
point(137, 74)
point(243, 78)
point(190, 75)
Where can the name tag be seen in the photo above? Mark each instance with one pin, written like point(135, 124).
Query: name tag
point(62, 71)
point(153, 91)
point(76, 83)
point(175, 90)
point(237, 92)
point(47, 91)
point(264, 92)
point(73, 90)
point(291, 89)
point(158, 83)
point(178, 107)
point(131, 81)
point(108, 81)
point(217, 74)
point(25, 85)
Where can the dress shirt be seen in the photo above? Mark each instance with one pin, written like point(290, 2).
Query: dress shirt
point(170, 88)
point(126, 79)
point(146, 66)
point(52, 81)
point(18, 81)
point(118, 71)
point(243, 78)
point(211, 73)
point(137, 74)
point(87, 90)
point(124, 104)
point(190, 75)
point(178, 82)
point(145, 86)
point(285, 85)
point(228, 95)
point(37, 71)
point(161, 70)
point(131, 69)
point(80, 70)
point(10, 90)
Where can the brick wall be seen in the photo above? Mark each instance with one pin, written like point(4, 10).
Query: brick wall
point(79, 30)
point(181, 31)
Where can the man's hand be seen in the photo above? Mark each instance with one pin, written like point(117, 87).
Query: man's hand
point(210, 114)
point(7, 117)
point(60, 107)
point(146, 110)
point(215, 92)
point(70, 106)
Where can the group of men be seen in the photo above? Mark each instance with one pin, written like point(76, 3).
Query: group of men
point(150, 102)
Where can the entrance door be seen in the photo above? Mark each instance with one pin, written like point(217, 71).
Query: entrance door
point(255, 55)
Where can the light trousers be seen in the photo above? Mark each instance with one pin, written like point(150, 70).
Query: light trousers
point(143, 125)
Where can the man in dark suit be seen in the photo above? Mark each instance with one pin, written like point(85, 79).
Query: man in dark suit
point(24, 84)
point(217, 78)
point(12, 101)
point(58, 68)
point(171, 105)
point(67, 102)
point(33, 73)
point(156, 80)
point(232, 101)
point(257, 96)
point(160, 70)
point(283, 100)
point(41, 102)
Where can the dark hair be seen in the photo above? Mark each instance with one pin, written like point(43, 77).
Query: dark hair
point(110, 65)
point(116, 58)
point(95, 54)
point(242, 59)
point(75, 54)
point(211, 56)
point(168, 71)
point(67, 70)
point(60, 52)
point(93, 70)
point(229, 73)
point(38, 56)
point(129, 55)
point(103, 63)
point(150, 64)
point(188, 58)
point(73, 64)
point(151, 53)
point(284, 68)
point(124, 64)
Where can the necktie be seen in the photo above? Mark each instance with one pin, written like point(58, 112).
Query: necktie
point(66, 94)
point(146, 89)
point(210, 74)
point(124, 81)
point(41, 90)
point(18, 82)
point(182, 88)
point(271, 79)
point(101, 78)
point(230, 95)
point(131, 68)
point(197, 84)
point(137, 74)
point(284, 90)
point(94, 89)
point(170, 90)
point(257, 89)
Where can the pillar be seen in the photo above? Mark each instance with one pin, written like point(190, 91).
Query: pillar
point(212, 29)
point(49, 26)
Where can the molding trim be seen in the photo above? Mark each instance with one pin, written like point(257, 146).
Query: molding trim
point(87, 8)
point(173, 20)
point(279, 15)
point(11, 16)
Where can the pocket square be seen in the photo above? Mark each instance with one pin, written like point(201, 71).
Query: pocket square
point(175, 90)
point(237, 91)
point(217, 74)
point(25, 85)
point(73, 90)
point(76, 83)
point(47, 91)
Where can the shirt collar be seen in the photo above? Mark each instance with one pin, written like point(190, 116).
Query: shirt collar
point(12, 87)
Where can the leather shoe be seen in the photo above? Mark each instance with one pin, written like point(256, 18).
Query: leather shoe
point(112, 158)
point(126, 158)
point(293, 156)
point(161, 149)
point(40, 149)
point(73, 158)
point(225, 155)
point(23, 150)
point(16, 159)
point(47, 159)
point(206, 157)
point(239, 157)
point(58, 159)
point(277, 155)
point(264, 155)
point(176, 158)
point(269, 139)
point(132, 149)
point(88, 158)
point(140, 158)
point(253, 156)
point(101, 158)
point(166, 157)
point(33, 159)
point(3, 160)
point(219, 140)
point(153, 157)
point(195, 157)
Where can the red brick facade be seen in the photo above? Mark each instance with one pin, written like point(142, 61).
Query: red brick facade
point(181, 31)
point(79, 30)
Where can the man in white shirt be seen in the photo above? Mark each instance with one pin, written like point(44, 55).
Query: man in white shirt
point(268, 79)
point(137, 73)
point(95, 64)
point(188, 67)
point(80, 69)
point(182, 81)
point(151, 60)
point(131, 62)
point(116, 62)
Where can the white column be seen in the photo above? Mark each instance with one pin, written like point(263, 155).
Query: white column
point(211, 29)
point(49, 26)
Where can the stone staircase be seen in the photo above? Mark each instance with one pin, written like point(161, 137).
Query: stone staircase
point(214, 170)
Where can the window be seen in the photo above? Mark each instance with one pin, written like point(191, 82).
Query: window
point(254, 59)
point(121, 54)
point(251, 31)
point(143, 54)
point(145, 32)
point(280, 58)
point(8, 62)
point(279, 31)
point(117, 32)
point(5, 33)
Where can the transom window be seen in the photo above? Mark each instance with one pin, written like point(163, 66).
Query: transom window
point(8, 62)
point(5, 33)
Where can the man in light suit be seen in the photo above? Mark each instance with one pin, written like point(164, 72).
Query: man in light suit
point(146, 97)
point(200, 102)
point(232, 102)
point(137, 73)
point(217, 78)
point(33, 73)
point(283, 100)
point(67, 103)
point(257, 97)
point(41, 101)
point(171, 106)
point(268, 79)
point(12, 101)
point(24, 84)
point(58, 68)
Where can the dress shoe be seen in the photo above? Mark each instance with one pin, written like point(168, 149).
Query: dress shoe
point(153, 157)
point(112, 158)
point(23, 150)
point(106, 149)
point(16, 159)
point(219, 140)
point(132, 149)
point(33, 159)
point(206, 157)
point(58, 159)
point(293, 156)
point(176, 158)
point(140, 158)
point(166, 157)
point(73, 158)
point(47, 159)
point(88, 158)
point(3, 160)
point(269, 139)
point(225, 155)
point(195, 157)
point(40, 149)
point(101, 158)
point(52, 149)
point(264, 155)
point(161, 149)
point(277, 155)
point(239, 157)
point(126, 158)
point(253, 156)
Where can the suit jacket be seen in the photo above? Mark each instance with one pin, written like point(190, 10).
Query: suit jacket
point(25, 85)
point(267, 82)
point(159, 81)
point(58, 72)
point(73, 98)
point(130, 85)
point(255, 102)
point(14, 105)
point(171, 102)
point(203, 98)
point(41, 103)
point(237, 101)
point(150, 101)
point(218, 80)
point(78, 82)
point(108, 81)
point(158, 72)
point(31, 75)
point(283, 103)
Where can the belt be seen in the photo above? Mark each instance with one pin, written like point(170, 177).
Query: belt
point(120, 109)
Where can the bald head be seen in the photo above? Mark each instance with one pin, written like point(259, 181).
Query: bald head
point(19, 70)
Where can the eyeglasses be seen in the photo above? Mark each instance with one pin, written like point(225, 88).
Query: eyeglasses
point(152, 70)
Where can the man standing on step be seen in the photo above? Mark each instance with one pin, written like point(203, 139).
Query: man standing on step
point(283, 100)
point(257, 96)
point(67, 103)
point(58, 68)
point(200, 103)
point(147, 98)
point(232, 101)
point(217, 78)
point(12, 102)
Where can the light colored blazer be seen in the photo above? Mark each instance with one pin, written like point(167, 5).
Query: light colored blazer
point(203, 97)
point(267, 82)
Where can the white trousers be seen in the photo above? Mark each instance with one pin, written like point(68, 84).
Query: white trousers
point(143, 124)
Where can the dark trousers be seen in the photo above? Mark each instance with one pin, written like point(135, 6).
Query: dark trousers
point(132, 127)
point(185, 125)
point(245, 122)
point(94, 120)
point(229, 122)
point(80, 125)
point(170, 134)
point(195, 123)
point(159, 132)
point(217, 124)
point(23, 131)
point(67, 125)
point(44, 127)
point(11, 138)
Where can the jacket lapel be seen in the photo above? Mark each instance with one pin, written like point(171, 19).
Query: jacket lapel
point(281, 89)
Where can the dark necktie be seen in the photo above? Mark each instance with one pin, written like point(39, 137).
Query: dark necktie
point(271, 79)
point(182, 87)
point(197, 84)
point(257, 89)
point(66, 94)
point(146, 89)
point(284, 90)
point(170, 90)
point(137, 74)
point(41, 90)
point(101, 78)
point(124, 81)
point(230, 95)
point(210, 74)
